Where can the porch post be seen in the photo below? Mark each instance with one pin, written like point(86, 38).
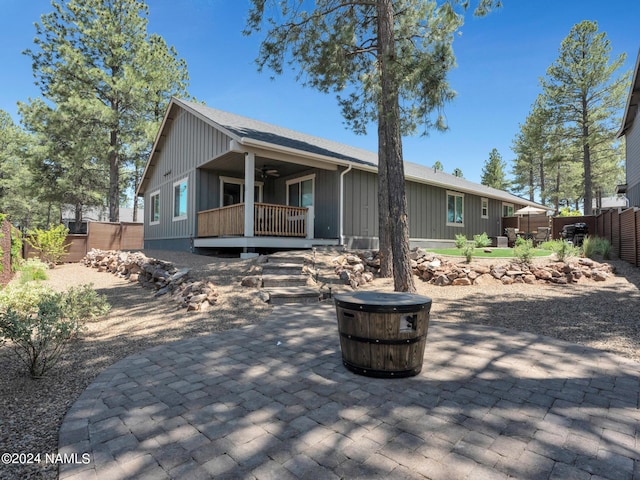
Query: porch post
point(249, 201)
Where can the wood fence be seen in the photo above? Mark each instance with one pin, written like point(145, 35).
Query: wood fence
point(102, 236)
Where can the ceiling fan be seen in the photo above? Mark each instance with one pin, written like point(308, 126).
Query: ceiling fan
point(267, 171)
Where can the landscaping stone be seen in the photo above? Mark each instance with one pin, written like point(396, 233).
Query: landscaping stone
point(360, 268)
point(165, 278)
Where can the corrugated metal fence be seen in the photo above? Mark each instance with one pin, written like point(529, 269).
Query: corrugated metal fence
point(103, 236)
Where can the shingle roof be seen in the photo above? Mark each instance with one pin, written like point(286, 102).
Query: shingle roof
point(239, 128)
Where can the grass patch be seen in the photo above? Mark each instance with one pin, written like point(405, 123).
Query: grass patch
point(480, 253)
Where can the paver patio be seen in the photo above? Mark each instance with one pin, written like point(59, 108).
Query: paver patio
point(274, 401)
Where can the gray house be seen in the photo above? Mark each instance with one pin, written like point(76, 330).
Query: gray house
point(631, 131)
point(305, 191)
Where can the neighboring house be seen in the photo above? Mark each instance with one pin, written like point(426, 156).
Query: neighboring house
point(609, 203)
point(305, 191)
point(96, 214)
point(631, 130)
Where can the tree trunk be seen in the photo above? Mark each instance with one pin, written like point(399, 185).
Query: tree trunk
point(78, 218)
point(586, 152)
point(390, 146)
point(114, 179)
point(384, 227)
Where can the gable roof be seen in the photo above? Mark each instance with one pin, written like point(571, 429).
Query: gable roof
point(254, 133)
point(631, 107)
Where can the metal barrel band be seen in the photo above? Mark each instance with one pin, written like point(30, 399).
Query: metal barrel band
point(390, 341)
point(372, 372)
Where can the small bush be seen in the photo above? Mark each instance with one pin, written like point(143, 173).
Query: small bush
point(461, 241)
point(468, 252)
point(523, 250)
point(49, 243)
point(40, 322)
point(592, 246)
point(33, 269)
point(562, 249)
point(482, 240)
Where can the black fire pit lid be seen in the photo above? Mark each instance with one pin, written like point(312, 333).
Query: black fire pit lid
point(383, 302)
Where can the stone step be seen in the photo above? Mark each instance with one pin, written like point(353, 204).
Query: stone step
point(289, 259)
point(279, 296)
point(284, 280)
point(281, 269)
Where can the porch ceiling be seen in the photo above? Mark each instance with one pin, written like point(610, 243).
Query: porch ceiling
point(232, 163)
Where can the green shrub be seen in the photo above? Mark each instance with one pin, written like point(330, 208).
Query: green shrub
point(40, 322)
point(33, 269)
point(468, 252)
point(49, 243)
point(461, 241)
point(523, 250)
point(592, 246)
point(562, 249)
point(482, 240)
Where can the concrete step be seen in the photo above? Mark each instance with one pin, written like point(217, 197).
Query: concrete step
point(281, 269)
point(279, 296)
point(284, 280)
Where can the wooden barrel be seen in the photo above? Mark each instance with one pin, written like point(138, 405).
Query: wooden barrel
point(383, 334)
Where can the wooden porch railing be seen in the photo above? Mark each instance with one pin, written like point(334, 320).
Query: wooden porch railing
point(269, 220)
point(220, 222)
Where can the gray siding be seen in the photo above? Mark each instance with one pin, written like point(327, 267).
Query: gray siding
point(326, 206)
point(189, 142)
point(632, 138)
point(426, 209)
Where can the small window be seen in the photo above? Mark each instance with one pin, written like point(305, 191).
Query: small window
point(507, 209)
point(154, 201)
point(180, 200)
point(455, 209)
point(484, 208)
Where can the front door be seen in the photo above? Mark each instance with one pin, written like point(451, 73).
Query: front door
point(301, 193)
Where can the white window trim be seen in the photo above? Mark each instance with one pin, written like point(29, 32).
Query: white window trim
point(300, 180)
point(239, 181)
point(456, 194)
point(482, 201)
point(173, 206)
point(505, 204)
point(151, 195)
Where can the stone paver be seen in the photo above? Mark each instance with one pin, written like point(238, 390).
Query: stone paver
point(274, 401)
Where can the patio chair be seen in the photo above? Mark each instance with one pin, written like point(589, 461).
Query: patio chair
point(542, 235)
point(511, 236)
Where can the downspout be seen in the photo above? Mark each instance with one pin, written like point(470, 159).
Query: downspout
point(342, 202)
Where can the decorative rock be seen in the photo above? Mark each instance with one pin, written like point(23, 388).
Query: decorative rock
point(461, 281)
point(157, 274)
point(254, 281)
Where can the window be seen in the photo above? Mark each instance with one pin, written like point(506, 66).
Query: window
point(154, 201)
point(455, 209)
point(300, 192)
point(180, 200)
point(507, 209)
point(232, 191)
point(484, 207)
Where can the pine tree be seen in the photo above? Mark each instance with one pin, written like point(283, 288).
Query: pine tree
point(387, 60)
point(493, 174)
point(95, 60)
point(586, 95)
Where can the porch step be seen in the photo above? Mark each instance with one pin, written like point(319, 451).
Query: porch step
point(281, 258)
point(281, 268)
point(279, 296)
point(270, 280)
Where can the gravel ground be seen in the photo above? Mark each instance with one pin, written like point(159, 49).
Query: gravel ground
point(602, 315)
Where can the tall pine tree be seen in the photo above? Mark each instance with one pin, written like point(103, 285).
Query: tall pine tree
point(493, 174)
point(95, 59)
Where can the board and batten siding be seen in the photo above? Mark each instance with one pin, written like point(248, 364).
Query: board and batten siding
point(632, 151)
point(189, 142)
point(426, 210)
point(326, 199)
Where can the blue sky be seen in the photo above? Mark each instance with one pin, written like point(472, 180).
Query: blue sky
point(500, 60)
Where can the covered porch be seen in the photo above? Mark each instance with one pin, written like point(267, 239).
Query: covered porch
point(278, 212)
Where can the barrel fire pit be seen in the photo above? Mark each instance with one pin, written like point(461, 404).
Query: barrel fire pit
point(383, 334)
